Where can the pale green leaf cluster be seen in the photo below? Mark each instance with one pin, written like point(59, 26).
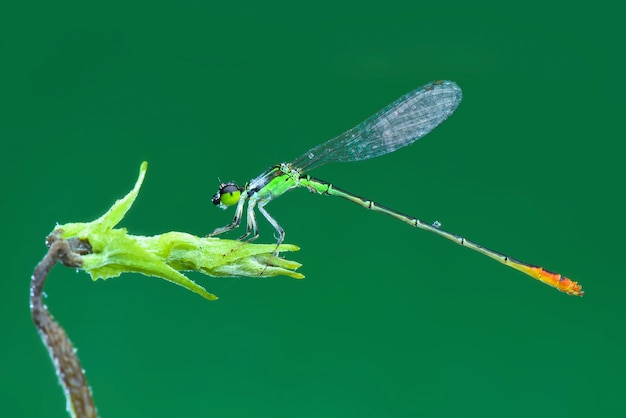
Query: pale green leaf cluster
point(114, 251)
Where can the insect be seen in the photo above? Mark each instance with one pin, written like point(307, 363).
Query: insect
point(396, 126)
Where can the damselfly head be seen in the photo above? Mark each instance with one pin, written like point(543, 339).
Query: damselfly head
point(227, 195)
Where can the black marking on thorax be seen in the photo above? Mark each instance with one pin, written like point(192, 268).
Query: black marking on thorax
point(262, 180)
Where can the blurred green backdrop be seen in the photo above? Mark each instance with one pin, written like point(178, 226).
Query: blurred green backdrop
point(390, 321)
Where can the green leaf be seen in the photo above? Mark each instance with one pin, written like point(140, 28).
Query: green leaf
point(114, 251)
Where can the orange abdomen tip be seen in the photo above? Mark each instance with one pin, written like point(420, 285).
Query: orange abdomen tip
point(558, 281)
point(555, 280)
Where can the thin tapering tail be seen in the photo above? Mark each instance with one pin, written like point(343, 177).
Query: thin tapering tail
point(555, 280)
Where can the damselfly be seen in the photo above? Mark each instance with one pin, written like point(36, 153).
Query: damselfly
point(396, 126)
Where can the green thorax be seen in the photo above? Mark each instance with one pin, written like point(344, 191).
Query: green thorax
point(279, 179)
point(273, 182)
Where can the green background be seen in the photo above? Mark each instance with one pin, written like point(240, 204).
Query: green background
point(390, 321)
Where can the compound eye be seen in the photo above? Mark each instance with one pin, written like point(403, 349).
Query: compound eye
point(227, 195)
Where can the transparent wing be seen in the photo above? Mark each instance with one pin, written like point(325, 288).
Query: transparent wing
point(400, 124)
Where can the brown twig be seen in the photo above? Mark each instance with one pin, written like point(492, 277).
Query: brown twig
point(62, 353)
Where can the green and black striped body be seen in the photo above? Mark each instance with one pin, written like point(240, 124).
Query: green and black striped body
point(322, 187)
point(281, 178)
